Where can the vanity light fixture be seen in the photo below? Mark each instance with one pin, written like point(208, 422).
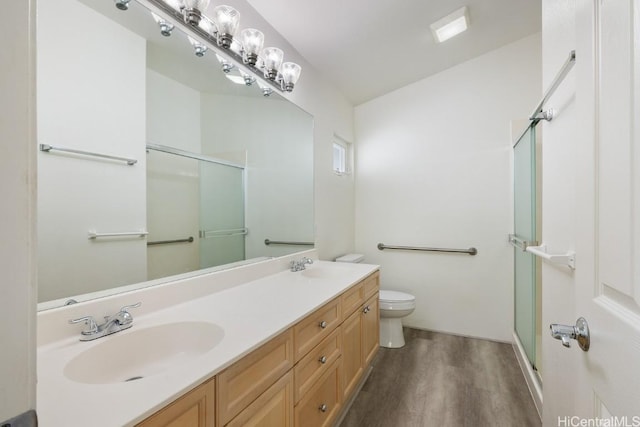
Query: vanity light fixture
point(451, 25)
point(193, 11)
point(165, 27)
point(226, 20)
point(247, 79)
point(266, 90)
point(198, 47)
point(272, 57)
point(252, 42)
point(289, 75)
point(122, 4)
point(239, 80)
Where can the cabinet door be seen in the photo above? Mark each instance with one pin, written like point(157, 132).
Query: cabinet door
point(194, 409)
point(352, 339)
point(274, 407)
point(320, 406)
point(370, 329)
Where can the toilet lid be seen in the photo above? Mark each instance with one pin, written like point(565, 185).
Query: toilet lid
point(395, 296)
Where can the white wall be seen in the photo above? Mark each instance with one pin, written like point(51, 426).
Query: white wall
point(173, 183)
point(433, 169)
point(81, 193)
point(17, 210)
point(560, 147)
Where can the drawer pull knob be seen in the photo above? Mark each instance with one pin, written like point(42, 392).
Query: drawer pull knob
point(323, 408)
point(366, 310)
point(323, 360)
point(323, 324)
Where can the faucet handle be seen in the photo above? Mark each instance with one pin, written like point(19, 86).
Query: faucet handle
point(92, 326)
point(126, 308)
point(306, 260)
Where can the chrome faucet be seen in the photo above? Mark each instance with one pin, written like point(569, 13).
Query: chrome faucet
point(115, 323)
point(300, 265)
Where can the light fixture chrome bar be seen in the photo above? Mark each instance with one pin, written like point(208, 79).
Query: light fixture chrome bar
point(46, 148)
point(519, 243)
point(470, 251)
point(190, 155)
point(177, 19)
point(206, 234)
point(538, 114)
point(168, 242)
point(276, 242)
point(96, 235)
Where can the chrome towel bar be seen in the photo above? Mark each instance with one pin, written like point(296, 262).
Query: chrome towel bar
point(167, 242)
point(538, 114)
point(206, 234)
point(470, 251)
point(275, 242)
point(46, 148)
point(96, 235)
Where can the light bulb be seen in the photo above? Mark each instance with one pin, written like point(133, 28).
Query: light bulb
point(272, 57)
point(199, 48)
point(165, 27)
point(252, 41)
point(207, 25)
point(227, 20)
point(290, 74)
point(193, 11)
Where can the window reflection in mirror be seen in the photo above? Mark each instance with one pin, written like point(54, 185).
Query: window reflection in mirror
point(109, 83)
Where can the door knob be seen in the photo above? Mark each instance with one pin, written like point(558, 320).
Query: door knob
point(579, 332)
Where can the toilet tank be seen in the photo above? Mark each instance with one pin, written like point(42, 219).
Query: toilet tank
point(352, 258)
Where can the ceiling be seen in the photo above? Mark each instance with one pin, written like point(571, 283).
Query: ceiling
point(367, 48)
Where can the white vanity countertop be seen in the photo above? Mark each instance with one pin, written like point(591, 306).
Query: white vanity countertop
point(250, 314)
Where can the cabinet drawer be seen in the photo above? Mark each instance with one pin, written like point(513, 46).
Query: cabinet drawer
point(274, 407)
point(194, 409)
point(321, 404)
point(352, 299)
point(245, 380)
point(371, 285)
point(316, 327)
point(316, 363)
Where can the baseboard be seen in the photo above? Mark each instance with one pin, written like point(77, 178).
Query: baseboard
point(347, 405)
point(535, 388)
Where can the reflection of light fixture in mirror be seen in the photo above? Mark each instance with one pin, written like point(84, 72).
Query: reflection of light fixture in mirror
point(227, 20)
point(193, 11)
point(252, 41)
point(289, 73)
point(451, 25)
point(199, 48)
point(226, 65)
point(239, 80)
point(122, 4)
point(165, 27)
point(272, 57)
point(248, 79)
point(266, 90)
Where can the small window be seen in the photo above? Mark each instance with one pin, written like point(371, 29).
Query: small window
point(341, 156)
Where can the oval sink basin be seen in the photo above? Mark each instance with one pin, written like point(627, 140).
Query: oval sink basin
point(137, 354)
point(324, 272)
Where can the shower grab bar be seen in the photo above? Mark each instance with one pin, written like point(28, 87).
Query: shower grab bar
point(567, 259)
point(47, 148)
point(538, 114)
point(206, 234)
point(276, 242)
point(521, 243)
point(96, 235)
point(167, 242)
point(470, 251)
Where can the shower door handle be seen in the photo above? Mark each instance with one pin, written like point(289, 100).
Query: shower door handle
point(579, 332)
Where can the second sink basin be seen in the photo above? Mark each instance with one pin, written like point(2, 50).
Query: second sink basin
point(137, 354)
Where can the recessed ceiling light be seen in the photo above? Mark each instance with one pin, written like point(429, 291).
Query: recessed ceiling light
point(451, 25)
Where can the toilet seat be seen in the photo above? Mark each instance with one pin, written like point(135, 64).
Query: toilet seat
point(394, 300)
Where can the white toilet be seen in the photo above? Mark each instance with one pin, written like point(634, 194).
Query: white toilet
point(394, 306)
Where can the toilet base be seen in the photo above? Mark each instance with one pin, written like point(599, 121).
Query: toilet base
point(391, 335)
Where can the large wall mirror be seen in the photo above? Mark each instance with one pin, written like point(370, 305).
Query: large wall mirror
point(211, 168)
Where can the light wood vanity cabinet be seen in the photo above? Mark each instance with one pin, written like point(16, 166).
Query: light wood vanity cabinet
point(300, 378)
point(194, 409)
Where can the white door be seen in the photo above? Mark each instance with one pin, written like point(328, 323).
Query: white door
point(607, 277)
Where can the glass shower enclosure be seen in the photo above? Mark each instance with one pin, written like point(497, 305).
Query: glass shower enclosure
point(527, 289)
